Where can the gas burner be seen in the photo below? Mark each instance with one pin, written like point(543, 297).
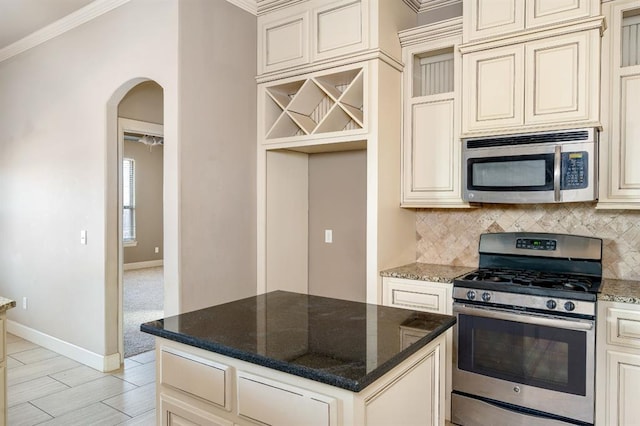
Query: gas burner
point(529, 278)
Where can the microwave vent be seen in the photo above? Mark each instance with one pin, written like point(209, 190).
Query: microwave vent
point(551, 137)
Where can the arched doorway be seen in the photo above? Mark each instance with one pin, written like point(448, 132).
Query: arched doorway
point(140, 109)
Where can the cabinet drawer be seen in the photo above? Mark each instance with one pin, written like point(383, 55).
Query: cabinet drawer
point(276, 403)
point(623, 327)
point(196, 376)
point(418, 295)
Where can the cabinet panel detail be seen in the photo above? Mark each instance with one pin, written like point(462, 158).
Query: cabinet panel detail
point(285, 42)
point(623, 388)
point(421, 388)
point(494, 93)
point(630, 132)
point(179, 413)
point(347, 18)
point(493, 17)
point(556, 91)
point(623, 328)
point(194, 375)
point(275, 403)
point(432, 154)
point(545, 12)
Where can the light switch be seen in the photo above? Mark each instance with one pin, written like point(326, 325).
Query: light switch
point(328, 236)
point(83, 237)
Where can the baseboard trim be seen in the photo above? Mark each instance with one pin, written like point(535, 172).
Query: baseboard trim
point(142, 265)
point(102, 363)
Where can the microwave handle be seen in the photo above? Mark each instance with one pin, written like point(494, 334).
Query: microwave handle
point(557, 163)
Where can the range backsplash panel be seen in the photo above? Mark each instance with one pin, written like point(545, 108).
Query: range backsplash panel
point(450, 237)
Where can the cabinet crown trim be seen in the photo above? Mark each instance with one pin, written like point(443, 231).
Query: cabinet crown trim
point(428, 5)
point(448, 28)
point(536, 34)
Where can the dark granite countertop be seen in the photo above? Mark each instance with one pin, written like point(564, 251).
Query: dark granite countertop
point(338, 342)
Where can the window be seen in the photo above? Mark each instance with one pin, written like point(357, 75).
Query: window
point(128, 201)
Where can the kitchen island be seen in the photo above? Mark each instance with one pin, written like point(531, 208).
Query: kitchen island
point(285, 358)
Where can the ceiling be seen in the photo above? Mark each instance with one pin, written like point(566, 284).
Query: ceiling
point(19, 18)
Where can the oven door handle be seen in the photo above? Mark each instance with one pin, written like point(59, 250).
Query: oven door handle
point(570, 324)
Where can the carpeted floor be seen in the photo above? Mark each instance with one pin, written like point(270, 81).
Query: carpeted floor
point(142, 302)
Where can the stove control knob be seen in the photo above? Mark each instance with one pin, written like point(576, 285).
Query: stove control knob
point(569, 306)
point(486, 296)
point(471, 295)
point(551, 304)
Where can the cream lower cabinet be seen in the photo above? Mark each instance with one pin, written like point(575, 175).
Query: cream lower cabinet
point(618, 364)
point(527, 83)
point(197, 387)
point(429, 297)
point(620, 138)
point(431, 147)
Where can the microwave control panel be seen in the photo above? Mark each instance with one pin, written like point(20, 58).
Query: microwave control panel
point(574, 170)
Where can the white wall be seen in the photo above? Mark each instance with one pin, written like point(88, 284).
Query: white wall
point(58, 106)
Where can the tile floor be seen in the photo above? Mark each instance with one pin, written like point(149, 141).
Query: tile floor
point(45, 388)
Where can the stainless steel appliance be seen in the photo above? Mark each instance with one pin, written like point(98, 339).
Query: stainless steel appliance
point(546, 167)
point(524, 343)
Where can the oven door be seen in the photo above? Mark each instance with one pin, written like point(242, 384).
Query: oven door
point(535, 361)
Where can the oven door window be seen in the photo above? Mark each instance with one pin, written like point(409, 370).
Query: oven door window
point(511, 173)
point(545, 357)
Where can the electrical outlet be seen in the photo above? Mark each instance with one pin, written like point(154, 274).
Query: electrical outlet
point(24, 303)
point(156, 250)
point(328, 236)
point(83, 237)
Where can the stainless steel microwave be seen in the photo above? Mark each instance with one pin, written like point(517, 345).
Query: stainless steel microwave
point(544, 167)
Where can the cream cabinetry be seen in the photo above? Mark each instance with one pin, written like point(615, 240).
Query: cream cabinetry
point(431, 147)
point(620, 138)
point(306, 32)
point(429, 297)
point(618, 364)
point(329, 81)
point(492, 18)
point(533, 81)
point(410, 393)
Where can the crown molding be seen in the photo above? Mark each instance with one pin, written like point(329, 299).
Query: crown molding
point(250, 6)
point(427, 5)
point(61, 26)
point(266, 6)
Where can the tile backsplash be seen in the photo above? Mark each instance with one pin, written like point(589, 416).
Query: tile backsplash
point(450, 237)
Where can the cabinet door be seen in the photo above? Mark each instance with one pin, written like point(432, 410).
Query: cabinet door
point(546, 12)
point(339, 28)
point(623, 388)
point(283, 40)
point(489, 18)
point(175, 412)
point(494, 88)
point(274, 403)
point(620, 140)
point(562, 82)
point(431, 155)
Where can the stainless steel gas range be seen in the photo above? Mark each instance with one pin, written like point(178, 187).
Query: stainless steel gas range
point(524, 345)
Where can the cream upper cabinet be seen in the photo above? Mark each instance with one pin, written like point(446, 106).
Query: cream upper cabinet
point(431, 145)
point(311, 31)
point(529, 82)
point(491, 18)
point(618, 364)
point(494, 88)
point(620, 138)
